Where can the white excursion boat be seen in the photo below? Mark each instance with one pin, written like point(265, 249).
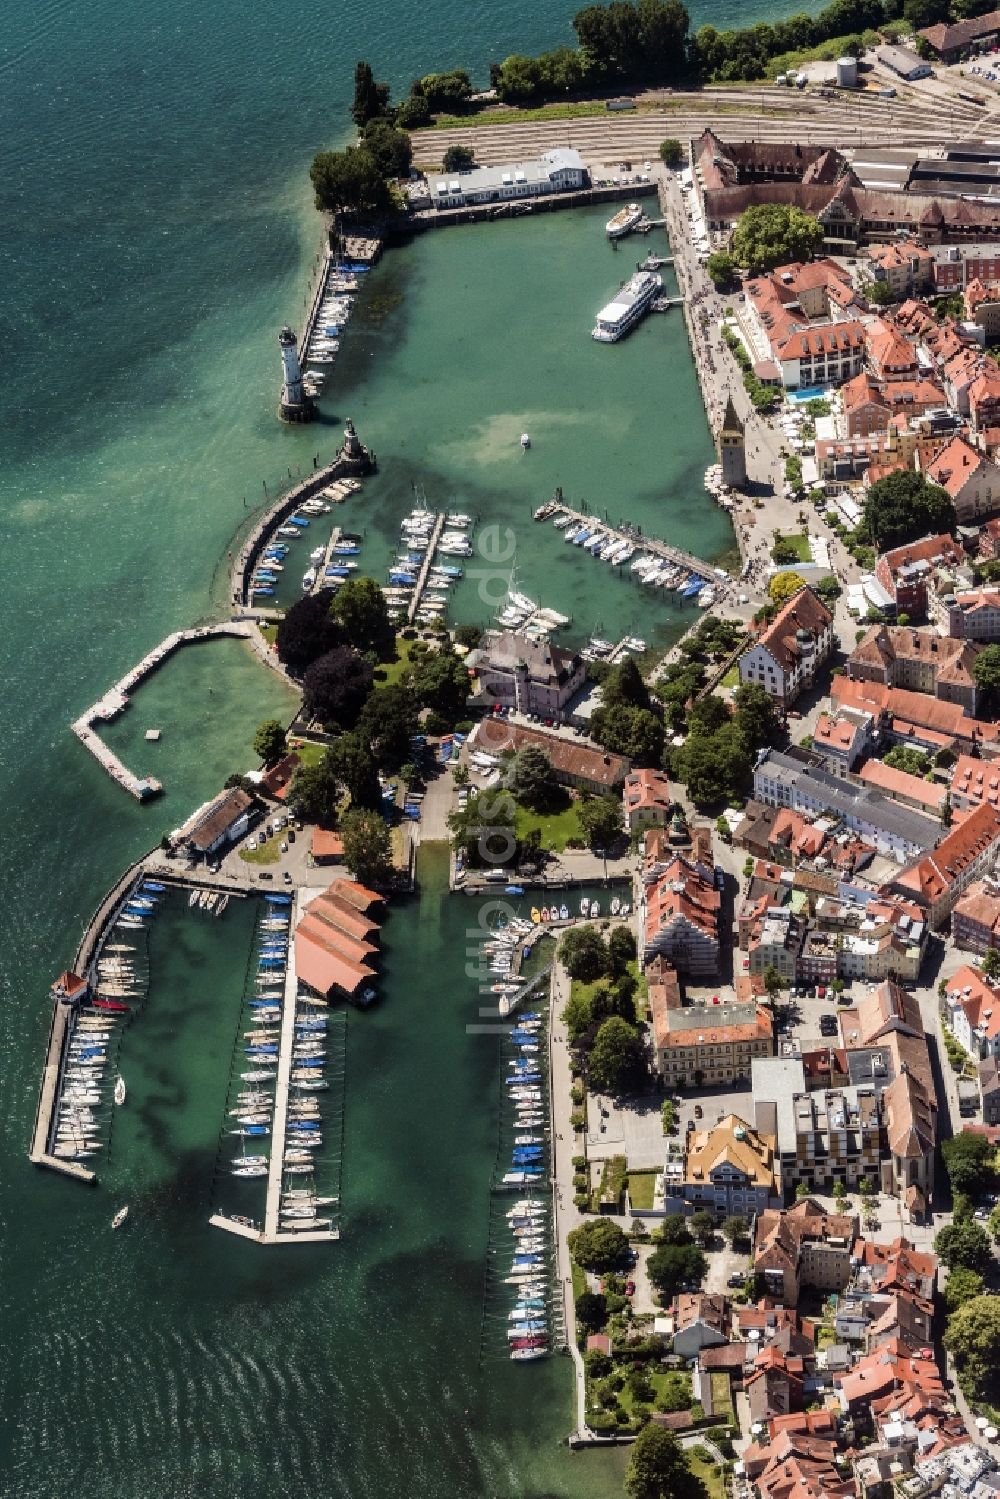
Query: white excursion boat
point(119, 1217)
point(624, 221)
point(627, 307)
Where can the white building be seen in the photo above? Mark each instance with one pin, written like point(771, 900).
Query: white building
point(789, 651)
point(556, 171)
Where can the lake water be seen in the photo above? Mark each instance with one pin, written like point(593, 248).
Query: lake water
point(157, 232)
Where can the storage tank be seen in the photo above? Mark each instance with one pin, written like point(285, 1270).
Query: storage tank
point(847, 72)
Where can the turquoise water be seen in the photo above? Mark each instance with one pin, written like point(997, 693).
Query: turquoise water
point(157, 232)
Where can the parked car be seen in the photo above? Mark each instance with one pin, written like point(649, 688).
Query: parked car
point(630, 1288)
point(735, 1282)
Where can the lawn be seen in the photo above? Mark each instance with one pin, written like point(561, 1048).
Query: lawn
point(266, 855)
point(721, 1401)
point(800, 542)
point(308, 753)
point(269, 632)
point(732, 677)
point(640, 1189)
point(710, 1475)
point(579, 1280)
point(554, 828)
point(389, 673)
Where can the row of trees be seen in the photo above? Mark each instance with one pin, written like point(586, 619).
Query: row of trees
point(600, 1015)
point(628, 722)
point(716, 758)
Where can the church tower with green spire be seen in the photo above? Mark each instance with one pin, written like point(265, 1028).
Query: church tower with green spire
point(732, 449)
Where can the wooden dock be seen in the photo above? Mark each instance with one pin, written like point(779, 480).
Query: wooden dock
point(626, 532)
point(116, 700)
point(40, 1155)
point(320, 582)
point(425, 567)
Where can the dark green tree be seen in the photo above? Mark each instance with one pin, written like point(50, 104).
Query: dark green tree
point(721, 267)
point(986, 671)
point(458, 159)
point(386, 724)
point(735, 1229)
point(269, 741)
point(440, 681)
point(598, 1245)
point(601, 820)
point(591, 1311)
point(307, 631)
point(658, 1469)
point(371, 99)
point(350, 761)
point(315, 794)
point(583, 954)
point(621, 951)
point(674, 1266)
point(973, 1339)
point(671, 152)
point(349, 181)
point(964, 1245)
point(963, 1286)
point(617, 1060)
point(757, 716)
point(969, 1160)
point(904, 506)
point(390, 147)
point(623, 686)
point(674, 1230)
point(634, 732)
point(484, 829)
point(360, 609)
point(367, 846)
point(447, 92)
point(336, 686)
point(771, 234)
point(530, 777)
point(702, 1225)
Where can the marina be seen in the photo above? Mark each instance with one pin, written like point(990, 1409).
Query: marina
point(653, 562)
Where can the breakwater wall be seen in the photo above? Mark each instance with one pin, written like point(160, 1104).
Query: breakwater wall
point(116, 700)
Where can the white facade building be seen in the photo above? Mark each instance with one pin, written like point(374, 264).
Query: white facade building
point(556, 171)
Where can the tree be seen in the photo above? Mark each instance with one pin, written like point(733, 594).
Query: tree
point(986, 671)
point(600, 818)
point(530, 777)
point(349, 181)
point(583, 954)
point(387, 723)
point(315, 794)
point(772, 980)
point(269, 741)
point(674, 1266)
point(783, 585)
point(634, 732)
point(598, 1245)
point(968, 1159)
point(370, 98)
point(360, 609)
point(991, 963)
point(963, 1286)
point(721, 267)
point(735, 1229)
point(591, 1311)
point(484, 829)
point(964, 1245)
point(658, 1469)
point(903, 506)
point(973, 1338)
point(904, 757)
point(623, 686)
point(446, 91)
point(350, 761)
point(458, 159)
point(307, 631)
point(702, 1225)
point(621, 951)
point(674, 1230)
point(880, 293)
point(772, 234)
point(336, 686)
point(714, 767)
point(671, 153)
point(617, 1060)
point(440, 681)
point(756, 715)
point(391, 149)
point(367, 846)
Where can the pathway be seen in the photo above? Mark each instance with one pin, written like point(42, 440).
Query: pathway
point(565, 1215)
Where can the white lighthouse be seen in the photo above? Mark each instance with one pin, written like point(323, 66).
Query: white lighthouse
point(295, 404)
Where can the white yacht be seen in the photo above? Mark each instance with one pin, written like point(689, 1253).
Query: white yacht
point(627, 308)
point(624, 221)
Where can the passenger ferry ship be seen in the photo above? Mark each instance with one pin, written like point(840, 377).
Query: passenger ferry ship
point(628, 307)
point(623, 221)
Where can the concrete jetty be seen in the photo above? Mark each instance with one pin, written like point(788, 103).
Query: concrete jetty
point(425, 567)
point(40, 1154)
point(116, 700)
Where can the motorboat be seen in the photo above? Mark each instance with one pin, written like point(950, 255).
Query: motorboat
point(624, 221)
point(525, 441)
point(119, 1089)
point(119, 1217)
